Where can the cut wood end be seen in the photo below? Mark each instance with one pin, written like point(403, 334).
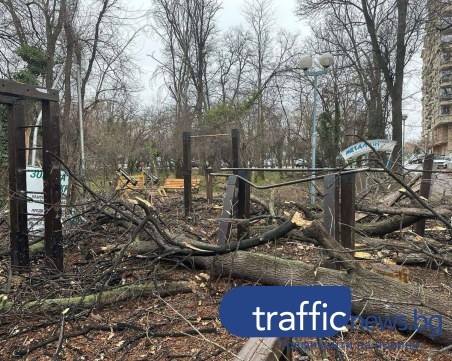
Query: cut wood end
point(188, 245)
point(298, 220)
point(144, 201)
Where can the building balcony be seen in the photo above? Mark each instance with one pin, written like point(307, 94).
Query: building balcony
point(442, 120)
point(445, 100)
point(438, 142)
point(446, 79)
point(444, 64)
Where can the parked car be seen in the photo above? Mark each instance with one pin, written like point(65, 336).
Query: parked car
point(270, 162)
point(195, 163)
point(300, 163)
point(417, 159)
point(440, 162)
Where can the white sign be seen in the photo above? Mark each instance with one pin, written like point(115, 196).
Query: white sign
point(35, 206)
point(380, 145)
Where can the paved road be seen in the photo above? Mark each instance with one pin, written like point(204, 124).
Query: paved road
point(442, 187)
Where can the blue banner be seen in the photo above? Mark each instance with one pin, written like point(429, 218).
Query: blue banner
point(286, 311)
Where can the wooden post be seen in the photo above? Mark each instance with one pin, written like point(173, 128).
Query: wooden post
point(17, 185)
point(53, 237)
point(224, 230)
point(348, 210)
point(243, 200)
point(235, 136)
point(186, 140)
point(426, 182)
point(331, 205)
point(209, 186)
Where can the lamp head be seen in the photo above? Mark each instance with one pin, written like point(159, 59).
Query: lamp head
point(404, 117)
point(306, 62)
point(326, 60)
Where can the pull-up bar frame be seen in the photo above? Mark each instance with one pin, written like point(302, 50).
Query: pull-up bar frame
point(13, 95)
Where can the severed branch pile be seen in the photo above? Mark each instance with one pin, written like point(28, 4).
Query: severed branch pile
point(144, 235)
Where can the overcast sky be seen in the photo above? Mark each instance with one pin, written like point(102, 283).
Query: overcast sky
point(231, 14)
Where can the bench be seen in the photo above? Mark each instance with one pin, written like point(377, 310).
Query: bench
point(123, 182)
point(178, 184)
point(140, 182)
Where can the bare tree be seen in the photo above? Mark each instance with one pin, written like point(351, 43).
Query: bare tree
point(394, 29)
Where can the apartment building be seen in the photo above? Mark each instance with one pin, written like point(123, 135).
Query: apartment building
point(437, 82)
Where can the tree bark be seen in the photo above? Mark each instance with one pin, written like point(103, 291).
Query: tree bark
point(386, 226)
point(408, 211)
point(103, 298)
point(372, 294)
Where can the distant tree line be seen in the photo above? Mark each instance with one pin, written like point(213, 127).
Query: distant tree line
point(245, 77)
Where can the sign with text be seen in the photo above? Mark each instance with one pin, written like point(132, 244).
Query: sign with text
point(35, 204)
point(358, 149)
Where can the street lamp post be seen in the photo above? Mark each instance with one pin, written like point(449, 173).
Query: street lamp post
point(326, 61)
point(404, 118)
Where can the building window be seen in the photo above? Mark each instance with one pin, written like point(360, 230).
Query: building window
point(446, 38)
point(445, 92)
point(446, 58)
point(446, 21)
point(444, 110)
point(446, 74)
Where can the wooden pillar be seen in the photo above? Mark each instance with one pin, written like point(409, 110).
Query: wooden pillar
point(235, 136)
point(209, 186)
point(53, 237)
point(348, 211)
point(224, 230)
point(331, 205)
point(17, 186)
point(426, 182)
point(186, 144)
point(243, 200)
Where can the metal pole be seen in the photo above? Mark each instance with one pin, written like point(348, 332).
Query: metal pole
point(80, 116)
point(403, 137)
point(39, 120)
point(186, 169)
point(314, 139)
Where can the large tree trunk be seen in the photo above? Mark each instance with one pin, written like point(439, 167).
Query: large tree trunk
point(372, 293)
point(386, 226)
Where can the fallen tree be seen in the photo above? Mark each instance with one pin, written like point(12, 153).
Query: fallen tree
point(386, 226)
point(102, 298)
point(407, 211)
point(372, 294)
